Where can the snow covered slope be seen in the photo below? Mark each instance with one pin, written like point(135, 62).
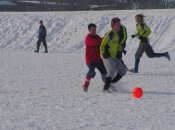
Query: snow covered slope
point(66, 30)
point(44, 91)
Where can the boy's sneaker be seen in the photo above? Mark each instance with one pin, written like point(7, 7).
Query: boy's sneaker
point(167, 56)
point(36, 51)
point(107, 83)
point(85, 89)
point(86, 85)
point(133, 71)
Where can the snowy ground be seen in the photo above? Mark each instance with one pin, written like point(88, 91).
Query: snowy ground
point(43, 91)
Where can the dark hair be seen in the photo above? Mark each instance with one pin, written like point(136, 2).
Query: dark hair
point(91, 25)
point(40, 21)
point(141, 16)
point(114, 21)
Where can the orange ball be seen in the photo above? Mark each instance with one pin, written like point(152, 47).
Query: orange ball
point(137, 92)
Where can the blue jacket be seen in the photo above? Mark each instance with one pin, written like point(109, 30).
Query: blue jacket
point(42, 32)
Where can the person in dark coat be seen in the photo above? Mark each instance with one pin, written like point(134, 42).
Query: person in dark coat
point(42, 37)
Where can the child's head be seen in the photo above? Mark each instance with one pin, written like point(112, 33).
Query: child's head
point(41, 22)
point(92, 28)
point(139, 18)
point(115, 24)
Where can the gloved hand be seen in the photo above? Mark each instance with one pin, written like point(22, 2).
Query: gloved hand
point(105, 56)
point(121, 49)
point(133, 36)
point(119, 55)
point(124, 52)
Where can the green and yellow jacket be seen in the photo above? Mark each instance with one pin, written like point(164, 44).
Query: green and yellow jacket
point(143, 30)
point(110, 44)
point(122, 36)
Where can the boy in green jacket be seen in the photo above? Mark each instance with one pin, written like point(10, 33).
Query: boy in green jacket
point(109, 50)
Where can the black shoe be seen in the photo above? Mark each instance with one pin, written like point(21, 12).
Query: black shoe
point(37, 51)
point(167, 56)
point(46, 52)
point(107, 84)
point(133, 71)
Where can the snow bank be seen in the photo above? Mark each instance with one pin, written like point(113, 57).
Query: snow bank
point(66, 30)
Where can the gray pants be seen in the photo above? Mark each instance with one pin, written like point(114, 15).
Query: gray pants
point(146, 47)
point(114, 66)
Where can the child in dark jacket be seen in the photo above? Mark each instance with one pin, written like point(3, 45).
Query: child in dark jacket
point(42, 37)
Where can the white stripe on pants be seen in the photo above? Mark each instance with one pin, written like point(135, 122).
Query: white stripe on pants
point(114, 66)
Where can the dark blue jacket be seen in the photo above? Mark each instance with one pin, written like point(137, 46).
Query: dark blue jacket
point(42, 32)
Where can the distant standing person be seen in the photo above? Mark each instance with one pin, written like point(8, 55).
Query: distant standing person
point(42, 37)
point(142, 33)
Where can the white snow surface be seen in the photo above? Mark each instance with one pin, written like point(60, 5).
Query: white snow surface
point(44, 91)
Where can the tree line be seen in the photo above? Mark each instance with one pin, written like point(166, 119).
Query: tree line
point(84, 5)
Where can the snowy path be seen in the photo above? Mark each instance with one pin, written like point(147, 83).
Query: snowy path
point(43, 92)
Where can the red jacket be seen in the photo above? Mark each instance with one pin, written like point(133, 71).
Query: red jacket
point(93, 48)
